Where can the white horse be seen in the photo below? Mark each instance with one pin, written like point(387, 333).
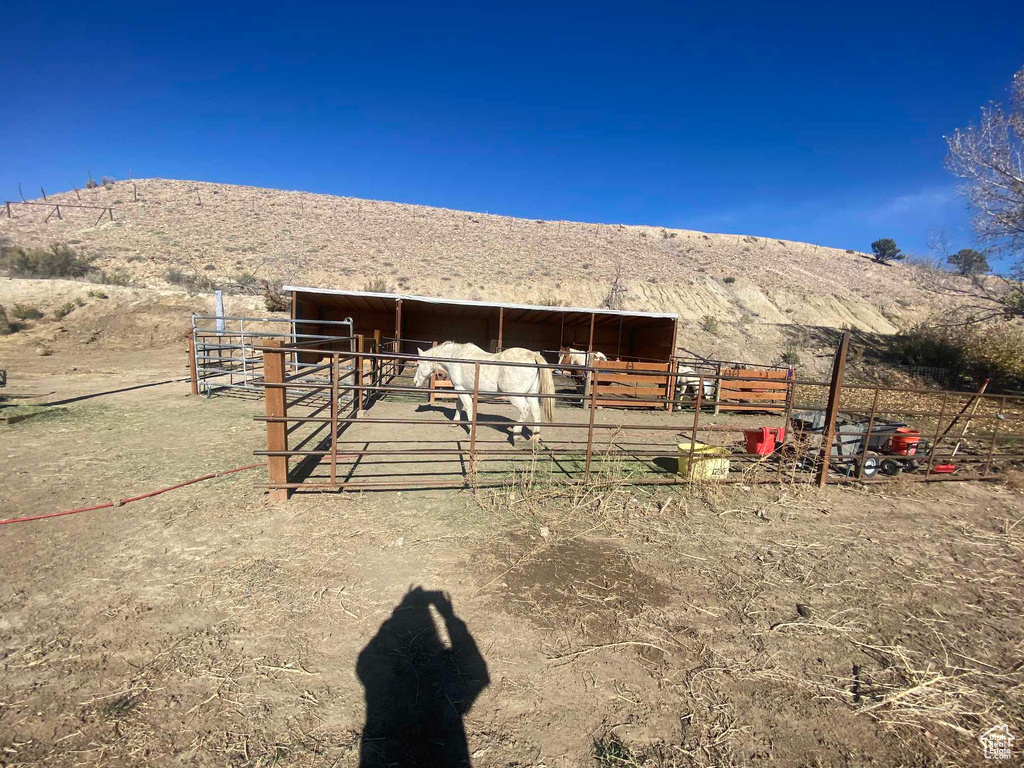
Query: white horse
point(580, 357)
point(494, 378)
point(688, 380)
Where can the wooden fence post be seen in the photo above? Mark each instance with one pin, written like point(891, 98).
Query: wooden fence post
point(361, 348)
point(193, 369)
point(277, 431)
point(832, 410)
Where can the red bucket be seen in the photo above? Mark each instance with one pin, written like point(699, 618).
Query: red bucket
point(904, 442)
point(763, 440)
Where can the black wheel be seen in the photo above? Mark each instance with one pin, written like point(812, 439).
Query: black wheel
point(892, 467)
point(869, 468)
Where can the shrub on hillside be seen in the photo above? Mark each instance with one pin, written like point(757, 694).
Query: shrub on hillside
point(91, 183)
point(378, 285)
point(6, 326)
point(108, 181)
point(190, 281)
point(59, 260)
point(790, 356)
point(25, 312)
point(63, 310)
point(274, 300)
point(709, 323)
point(983, 351)
point(117, 276)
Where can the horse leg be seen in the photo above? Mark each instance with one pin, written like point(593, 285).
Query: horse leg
point(467, 408)
point(535, 412)
point(520, 405)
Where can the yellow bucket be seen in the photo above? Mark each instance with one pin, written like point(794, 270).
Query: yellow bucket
point(709, 462)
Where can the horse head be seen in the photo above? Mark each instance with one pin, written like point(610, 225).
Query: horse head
point(424, 369)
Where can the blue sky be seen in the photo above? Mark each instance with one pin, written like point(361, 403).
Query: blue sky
point(810, 121)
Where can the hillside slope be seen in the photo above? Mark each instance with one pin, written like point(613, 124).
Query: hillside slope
point(219, 230)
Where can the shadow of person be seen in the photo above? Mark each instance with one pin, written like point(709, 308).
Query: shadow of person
point(417, 687)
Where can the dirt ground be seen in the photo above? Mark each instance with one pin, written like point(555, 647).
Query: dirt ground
point(607, 626)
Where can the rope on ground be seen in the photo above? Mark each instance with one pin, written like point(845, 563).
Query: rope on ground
point(122, 502)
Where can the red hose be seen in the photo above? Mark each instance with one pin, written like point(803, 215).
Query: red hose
point(132, 498)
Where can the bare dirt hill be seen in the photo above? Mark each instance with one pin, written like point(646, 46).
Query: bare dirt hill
point(219, 230)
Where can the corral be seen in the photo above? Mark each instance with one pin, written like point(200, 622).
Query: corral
point(703, 624)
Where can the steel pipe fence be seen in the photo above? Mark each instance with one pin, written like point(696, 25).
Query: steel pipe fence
point(980, 447)
point(224, 351)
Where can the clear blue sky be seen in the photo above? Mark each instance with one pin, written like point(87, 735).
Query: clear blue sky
point(812, 121)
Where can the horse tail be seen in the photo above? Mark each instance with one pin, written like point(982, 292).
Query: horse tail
point(547, 387)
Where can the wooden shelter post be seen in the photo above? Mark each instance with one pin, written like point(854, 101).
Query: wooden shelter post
point(276, 407)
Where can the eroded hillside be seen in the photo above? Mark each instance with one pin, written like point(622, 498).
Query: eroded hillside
point(220, 230)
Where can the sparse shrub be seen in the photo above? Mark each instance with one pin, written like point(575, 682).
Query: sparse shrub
point(246, 282)
point(97, 295)
point(850, 251)
point(191, 282)
point(6, 326)
point(551, 301)
point(209, 267)
point(59, 260)
point(118, 276)
point(79, 301)
point(274, 300)
point(108, 181)
point(91, 183)
point(135, 258)
point(709, 323)
point(728, 280)
point(26, 312)
point(790, 356)
point(381, 285)
point(63, 310)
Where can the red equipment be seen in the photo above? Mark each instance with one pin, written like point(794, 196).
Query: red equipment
point(903, 442)
point(764, 440)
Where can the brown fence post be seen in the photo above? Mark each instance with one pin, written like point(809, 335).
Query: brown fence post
point(193, 371)
point(696, 424)
point(334, 417)
point(472, 425)
point(277, 407)
point(834, 391)
point(995, 434)
point(718, 387)
point(867, 435)
point(361, 348)
point(593, 409)
point(937, 436)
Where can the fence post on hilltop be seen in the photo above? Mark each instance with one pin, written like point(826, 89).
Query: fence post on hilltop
point(277, 408)
point(832, 410)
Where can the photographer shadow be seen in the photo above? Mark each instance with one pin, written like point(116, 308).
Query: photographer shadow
point(418, 687)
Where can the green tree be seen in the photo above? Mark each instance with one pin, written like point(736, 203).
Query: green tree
point(969, 262)
point(886, 250)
